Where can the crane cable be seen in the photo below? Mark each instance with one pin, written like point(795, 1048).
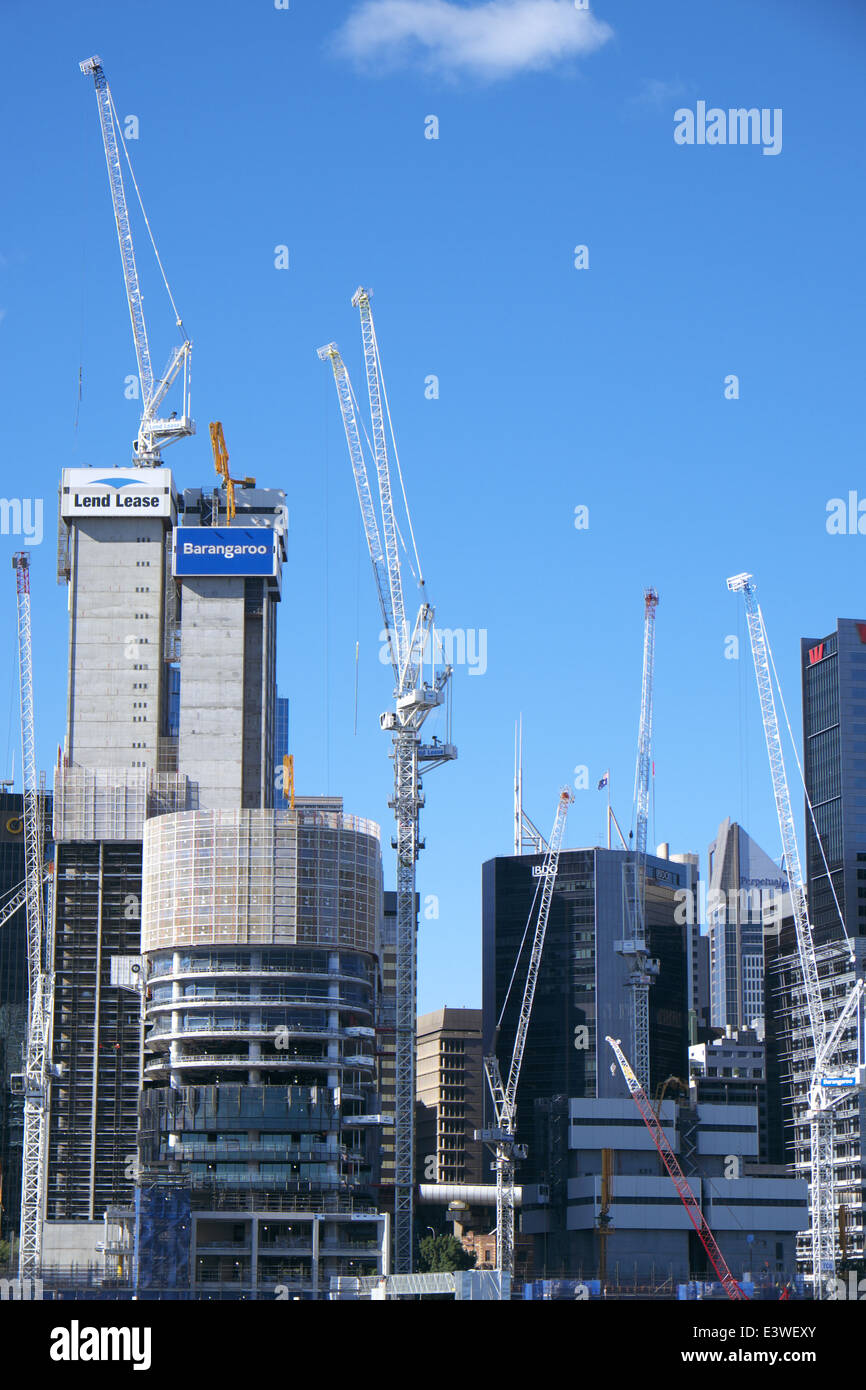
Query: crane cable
point(178, 319)
point(420, 574)
point(519, 953)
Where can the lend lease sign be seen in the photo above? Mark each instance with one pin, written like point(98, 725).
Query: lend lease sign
point(224, 550)
point(120, 493)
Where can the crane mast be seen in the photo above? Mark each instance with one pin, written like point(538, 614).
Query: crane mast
point(634, 946)
point(677, 1176)
point(35, 1080)
point(504, 1094)
point(826, 1037)
point(414, 698)
point(154, 433)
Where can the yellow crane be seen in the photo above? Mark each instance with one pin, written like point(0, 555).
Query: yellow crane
point(221, 464)
point(289, 779)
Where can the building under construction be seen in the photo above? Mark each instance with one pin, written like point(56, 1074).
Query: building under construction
point(151, 729)
point(260, 934)
point(222, 951)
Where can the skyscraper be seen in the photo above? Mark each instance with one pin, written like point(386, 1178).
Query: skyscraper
point(118, 765)
point(450, 1095)
point(582, 992)
point(155, 725)
point(742, 878)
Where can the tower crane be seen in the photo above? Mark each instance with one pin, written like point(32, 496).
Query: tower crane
point(677, 1176)
point(643, 969)
point(504, 1094)
point(415, 696)
point(154, 433)
point(825, 1091)
point(40, 979)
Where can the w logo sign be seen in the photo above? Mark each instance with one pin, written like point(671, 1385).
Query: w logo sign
point(815, 654)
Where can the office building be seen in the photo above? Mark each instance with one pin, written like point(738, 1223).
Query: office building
point(449, 1096)
point(732, 1071)
point(742, 880)
point(170, 708)
point(615, 1215)
point(582, 992)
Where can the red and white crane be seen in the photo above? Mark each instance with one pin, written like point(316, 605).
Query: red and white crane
point(678, 1177)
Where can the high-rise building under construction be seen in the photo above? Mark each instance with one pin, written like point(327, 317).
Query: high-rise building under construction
point(255, 981)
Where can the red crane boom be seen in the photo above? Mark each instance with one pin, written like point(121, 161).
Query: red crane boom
point(678, 1177)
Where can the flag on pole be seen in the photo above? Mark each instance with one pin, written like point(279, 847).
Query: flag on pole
point(604, 780)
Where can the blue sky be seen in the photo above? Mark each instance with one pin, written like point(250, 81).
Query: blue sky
point(559, 387)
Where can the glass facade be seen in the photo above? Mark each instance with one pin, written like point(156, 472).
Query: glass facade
point(281, 749)
point(261, 932)
point(743, 881)
point(582, 992)
point(834, 748)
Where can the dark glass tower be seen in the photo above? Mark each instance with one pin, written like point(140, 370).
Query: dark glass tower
point(834, 746)
point(582, 993)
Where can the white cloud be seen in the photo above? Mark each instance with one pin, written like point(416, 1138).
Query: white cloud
point(497, 38)
point(654, 92)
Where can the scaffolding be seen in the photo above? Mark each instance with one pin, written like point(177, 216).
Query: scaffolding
point(260, 877)
point(92, 1137)
point(112, 803)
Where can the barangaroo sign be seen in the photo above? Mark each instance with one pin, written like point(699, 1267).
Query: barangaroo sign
point(225, 550)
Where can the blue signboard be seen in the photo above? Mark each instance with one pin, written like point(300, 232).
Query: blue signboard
point(225, 550)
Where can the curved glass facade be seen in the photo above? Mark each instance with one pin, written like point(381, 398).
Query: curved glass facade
point(261, 931)
point(257, 877)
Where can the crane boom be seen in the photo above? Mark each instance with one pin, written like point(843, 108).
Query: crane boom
point(153, 432)
point(634, 945)
point(548, 876)
point(346, 396)
point(504, 1095)
point(677, 1176)
point(790, 851)
point(645, 735)
point(361, 301)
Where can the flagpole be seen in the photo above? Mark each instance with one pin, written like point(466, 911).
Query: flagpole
point(608, 810)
